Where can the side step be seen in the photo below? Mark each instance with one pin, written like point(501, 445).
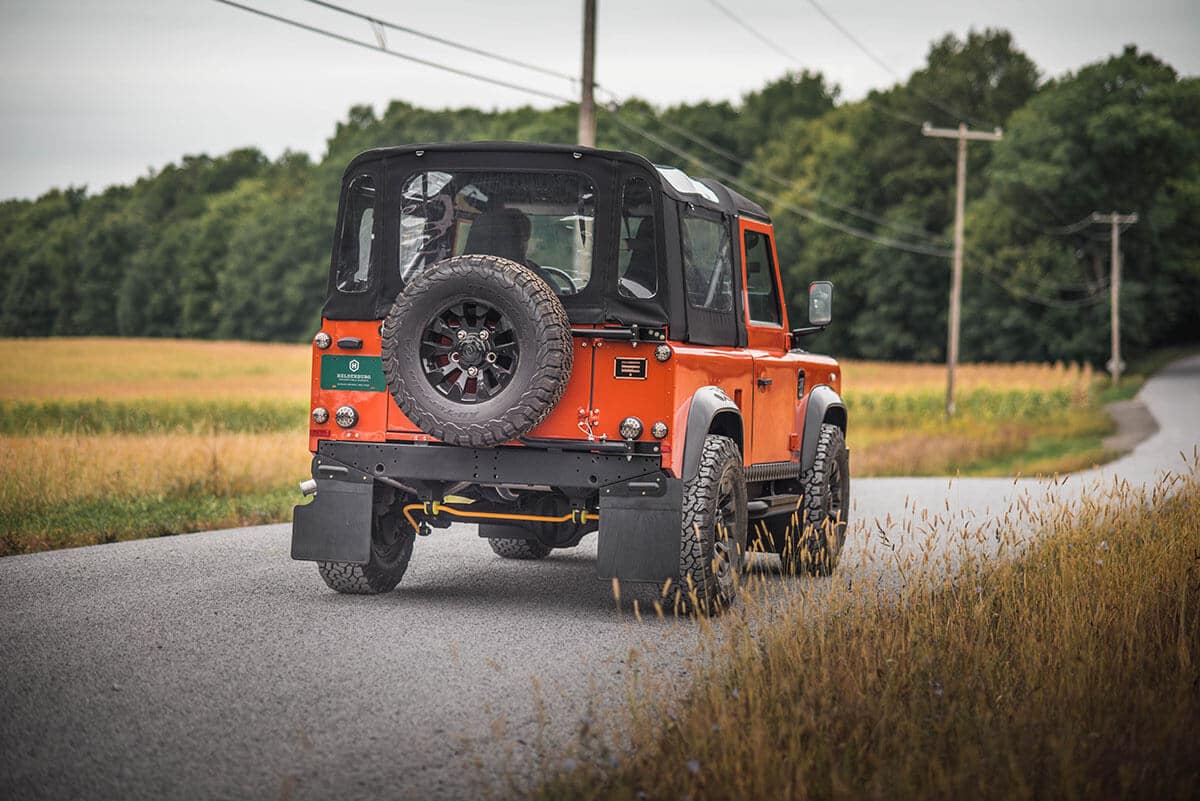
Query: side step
point(770, 505)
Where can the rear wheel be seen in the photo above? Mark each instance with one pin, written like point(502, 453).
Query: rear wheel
point(712, 550)
point(519, 549)
point(391, 549)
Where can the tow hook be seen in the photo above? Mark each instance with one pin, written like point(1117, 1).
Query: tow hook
point(308, 487)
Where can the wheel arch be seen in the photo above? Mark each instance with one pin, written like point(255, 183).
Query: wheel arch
point(711, 412)
point(824, 406)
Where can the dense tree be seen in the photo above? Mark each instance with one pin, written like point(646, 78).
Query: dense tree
point(238, 245)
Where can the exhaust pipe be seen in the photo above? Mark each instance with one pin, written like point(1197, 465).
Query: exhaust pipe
point(308, 487)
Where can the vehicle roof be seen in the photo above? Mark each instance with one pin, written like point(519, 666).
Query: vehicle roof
point(726, 199)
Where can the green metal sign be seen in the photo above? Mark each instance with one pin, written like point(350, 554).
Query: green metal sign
point(363, 373)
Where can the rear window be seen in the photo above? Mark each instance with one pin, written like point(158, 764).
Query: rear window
point(545, 221)
point(356, 251)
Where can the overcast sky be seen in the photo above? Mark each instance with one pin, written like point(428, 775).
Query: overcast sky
point(97, 93)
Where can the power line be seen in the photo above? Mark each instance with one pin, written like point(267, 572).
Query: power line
point(447, 42)
point(871, 55)
point(987, 270)
point(395, 54)
point(787, 184)
point(794, 208)
point(746, 27)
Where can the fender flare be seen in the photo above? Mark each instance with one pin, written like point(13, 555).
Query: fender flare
point(824, 406)
point(711, 412)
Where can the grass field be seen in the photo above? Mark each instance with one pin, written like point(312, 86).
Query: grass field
point(126, 438)
point(1065, 667)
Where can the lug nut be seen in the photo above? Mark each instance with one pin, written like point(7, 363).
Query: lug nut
point(462, 334)
point(454, 356)
point(483, 334)
point(491, 358)
point(472, 371)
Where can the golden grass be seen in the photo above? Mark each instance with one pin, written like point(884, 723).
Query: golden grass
point(72, 368)
point(64, 490)
point(1061, 666)
point(157, 397)
point(51, 469)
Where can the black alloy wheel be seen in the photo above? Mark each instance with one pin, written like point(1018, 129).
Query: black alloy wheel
point(469, 351)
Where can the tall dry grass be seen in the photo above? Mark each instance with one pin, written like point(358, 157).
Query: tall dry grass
point(86, 404)
point(66, 489)
point(1063, 666)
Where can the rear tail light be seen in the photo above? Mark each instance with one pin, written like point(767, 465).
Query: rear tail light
point(346, 416)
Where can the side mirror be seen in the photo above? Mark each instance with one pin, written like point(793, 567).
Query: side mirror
point(820, 303)
point(820, 310)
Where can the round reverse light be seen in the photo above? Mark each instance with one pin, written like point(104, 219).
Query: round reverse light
point(320, 415)
point(662, 352)
point(631, 428)
point(659, 429)
point(322, 340)
point(345, 416)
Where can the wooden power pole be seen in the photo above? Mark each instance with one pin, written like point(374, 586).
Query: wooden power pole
point(587, 103)
point(1115, 365)
point(962, 135)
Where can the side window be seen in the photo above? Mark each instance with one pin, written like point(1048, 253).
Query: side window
point(356, 242)
point(761, 291)
point(707, 264)
point(637, 257)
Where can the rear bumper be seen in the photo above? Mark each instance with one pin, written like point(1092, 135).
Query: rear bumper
point(416, 464)
point(639, 503)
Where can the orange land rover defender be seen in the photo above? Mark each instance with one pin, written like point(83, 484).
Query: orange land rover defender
point(550, 341)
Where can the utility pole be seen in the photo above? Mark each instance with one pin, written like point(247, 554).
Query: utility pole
point(587, 104)
point(1115, 365)
point(962, 134)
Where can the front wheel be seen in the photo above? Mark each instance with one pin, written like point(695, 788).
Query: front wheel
point(391, 549)
point(712, 541)
point(813, 540)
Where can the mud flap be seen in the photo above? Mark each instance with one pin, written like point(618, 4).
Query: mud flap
point(640, 521)
point(336, 525)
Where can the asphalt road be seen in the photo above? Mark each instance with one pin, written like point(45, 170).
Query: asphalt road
point(212, 666)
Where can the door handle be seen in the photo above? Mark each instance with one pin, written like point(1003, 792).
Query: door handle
point(764, 382)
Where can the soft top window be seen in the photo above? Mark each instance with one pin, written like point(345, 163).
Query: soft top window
point(543, 220)
point(356, 254)
point(637, 256)
point(707, 263)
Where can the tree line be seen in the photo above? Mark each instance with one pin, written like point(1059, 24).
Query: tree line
point(237, 245)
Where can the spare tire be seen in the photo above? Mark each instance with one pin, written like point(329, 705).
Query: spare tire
point(477, 350)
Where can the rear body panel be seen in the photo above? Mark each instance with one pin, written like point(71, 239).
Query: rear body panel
point(603, 390)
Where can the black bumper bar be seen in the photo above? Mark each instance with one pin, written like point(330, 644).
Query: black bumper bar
point(562, 469)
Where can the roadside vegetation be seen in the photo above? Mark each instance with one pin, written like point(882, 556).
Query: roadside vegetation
point(1064, 664)
point(110, 439)
point(1010, 419)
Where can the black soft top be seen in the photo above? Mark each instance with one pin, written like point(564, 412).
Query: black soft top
point(727, 200)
